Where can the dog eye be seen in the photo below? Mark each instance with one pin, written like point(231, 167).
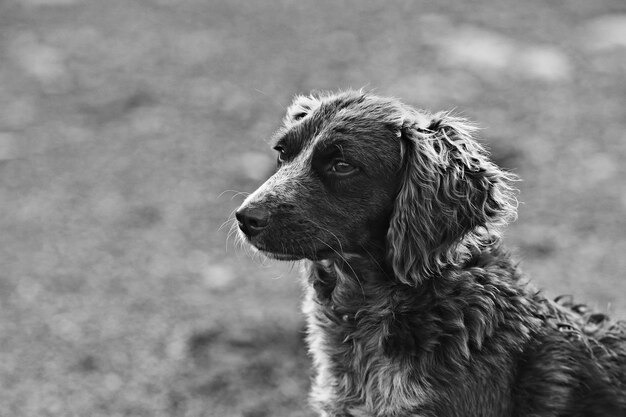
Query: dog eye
point(299, 116)
point(342, 168)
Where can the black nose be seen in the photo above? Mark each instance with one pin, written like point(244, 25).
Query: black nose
point(252, 221)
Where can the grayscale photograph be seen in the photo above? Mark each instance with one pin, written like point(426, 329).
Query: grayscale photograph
point(281, 208)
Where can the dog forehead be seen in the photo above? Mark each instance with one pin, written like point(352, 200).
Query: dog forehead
point(306, 118)
point(367, 114)
point(371, 117)
point(313, 120)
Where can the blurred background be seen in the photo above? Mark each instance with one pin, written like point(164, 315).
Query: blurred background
point(127, 129)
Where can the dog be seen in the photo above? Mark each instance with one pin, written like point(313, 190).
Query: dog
point(413, 306)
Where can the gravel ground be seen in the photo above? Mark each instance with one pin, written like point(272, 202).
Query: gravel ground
point(128, 128)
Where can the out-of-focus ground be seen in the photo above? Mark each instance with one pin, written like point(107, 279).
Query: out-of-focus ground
point(123, 124)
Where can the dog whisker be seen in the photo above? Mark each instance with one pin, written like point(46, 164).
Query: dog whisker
point(319, 226)
point(272, 99)
point(235, 193)
point(373, 259)
point(229, 221)
point(345, 260)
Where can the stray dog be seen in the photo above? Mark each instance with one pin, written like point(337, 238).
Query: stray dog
point(413, 307)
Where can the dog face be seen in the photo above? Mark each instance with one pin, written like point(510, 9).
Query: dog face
point(332, 194)
point(369, 176)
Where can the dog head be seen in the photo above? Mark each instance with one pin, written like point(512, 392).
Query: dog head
point(332, 195)
point(369, 176)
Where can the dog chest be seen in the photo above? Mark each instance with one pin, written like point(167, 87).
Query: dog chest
point(352, 371)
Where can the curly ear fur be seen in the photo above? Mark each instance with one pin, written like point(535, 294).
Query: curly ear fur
point(452, 198)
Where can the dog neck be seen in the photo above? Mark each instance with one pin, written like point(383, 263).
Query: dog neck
point(362, 321)
point(459, 301)
point(352, 274)
point(352, 287)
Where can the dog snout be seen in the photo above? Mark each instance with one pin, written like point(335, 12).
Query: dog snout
point(252, 220)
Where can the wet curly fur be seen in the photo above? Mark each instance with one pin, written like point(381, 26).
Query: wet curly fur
point(413, 307)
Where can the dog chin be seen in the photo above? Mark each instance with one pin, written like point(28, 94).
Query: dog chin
point(279, 256)
point(282, 256)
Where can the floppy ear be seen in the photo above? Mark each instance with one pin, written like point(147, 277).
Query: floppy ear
point(451, 200)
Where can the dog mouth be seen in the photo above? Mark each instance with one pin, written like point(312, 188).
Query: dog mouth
point(278, 255)
point(288, 250)
point(285, 255)
point(282, 256)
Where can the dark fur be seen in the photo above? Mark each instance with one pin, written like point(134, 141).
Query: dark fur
point(413, 307)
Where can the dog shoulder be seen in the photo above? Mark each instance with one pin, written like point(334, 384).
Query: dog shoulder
point(560, 376)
